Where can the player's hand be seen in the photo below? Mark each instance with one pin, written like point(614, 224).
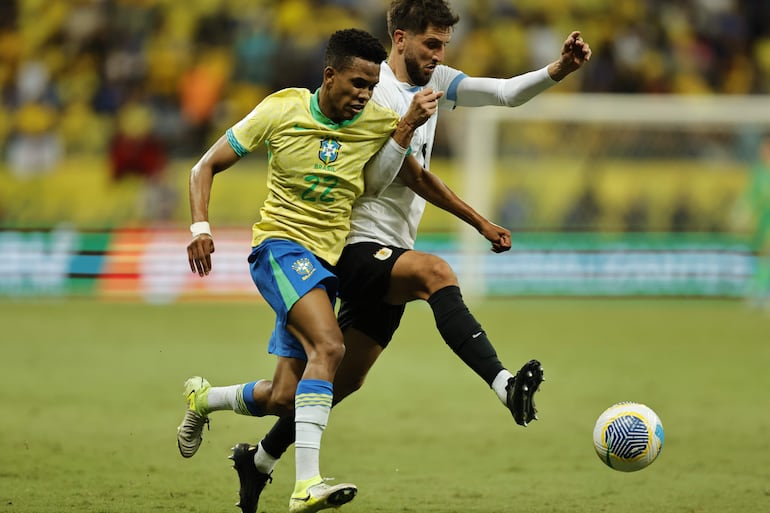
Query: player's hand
point(497, 235)
point(424, 105)
point(574, 53)
point(199, 252)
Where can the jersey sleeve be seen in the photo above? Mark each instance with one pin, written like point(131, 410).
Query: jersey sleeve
point(381, 169)
point(505, 92)
point(254, 129)
point(447, 79)
point(464, 91)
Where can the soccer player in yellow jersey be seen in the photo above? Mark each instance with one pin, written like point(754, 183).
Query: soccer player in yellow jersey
point(318, 144)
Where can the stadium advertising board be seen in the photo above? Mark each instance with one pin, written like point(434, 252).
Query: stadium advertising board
point(148, 265)
point(151, 265)
point(598, 264)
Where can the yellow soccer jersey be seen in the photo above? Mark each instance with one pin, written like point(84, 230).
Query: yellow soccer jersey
point(315, 167)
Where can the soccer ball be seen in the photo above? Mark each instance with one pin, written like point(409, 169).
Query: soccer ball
point(628, 436)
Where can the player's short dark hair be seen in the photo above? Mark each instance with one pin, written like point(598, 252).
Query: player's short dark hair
point(345, 45)
point(416, 15)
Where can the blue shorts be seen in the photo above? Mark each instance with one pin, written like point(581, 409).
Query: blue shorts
point(285, 271)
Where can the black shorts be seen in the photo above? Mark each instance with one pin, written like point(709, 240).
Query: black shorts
point(364, 272)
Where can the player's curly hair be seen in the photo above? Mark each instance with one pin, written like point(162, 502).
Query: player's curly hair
point(344, 45)
point(416, 15)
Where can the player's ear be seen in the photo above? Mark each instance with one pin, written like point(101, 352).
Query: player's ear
point(329, 73)
point(399, 39)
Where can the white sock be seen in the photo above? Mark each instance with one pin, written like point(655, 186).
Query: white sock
point(223, 398)
point(264, 462)
point(312, 406)
point(499, 383)
point(232, 398)
point(307, 449)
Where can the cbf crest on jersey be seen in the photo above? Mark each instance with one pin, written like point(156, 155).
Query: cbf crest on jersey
point(329, 150)
point(304, 267)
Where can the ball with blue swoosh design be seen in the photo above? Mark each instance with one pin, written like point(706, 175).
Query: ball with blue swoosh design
point(628, 436)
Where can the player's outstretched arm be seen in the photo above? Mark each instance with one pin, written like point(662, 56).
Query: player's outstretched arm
point(218, 158)
point(518, 90)
point(435, 191)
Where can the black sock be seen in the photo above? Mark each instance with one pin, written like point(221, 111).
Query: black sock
point(280, 437)
point(462, 332)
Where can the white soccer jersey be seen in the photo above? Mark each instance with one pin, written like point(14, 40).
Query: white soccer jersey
point(392, 218)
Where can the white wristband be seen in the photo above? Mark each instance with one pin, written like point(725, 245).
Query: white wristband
point(199, 228)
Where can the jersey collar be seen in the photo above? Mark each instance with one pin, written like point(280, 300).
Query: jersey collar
point(315, 110)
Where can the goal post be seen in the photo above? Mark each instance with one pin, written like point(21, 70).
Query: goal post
point(695, 143)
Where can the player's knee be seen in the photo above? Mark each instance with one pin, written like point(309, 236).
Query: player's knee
point(438, 274)
point(328, 351)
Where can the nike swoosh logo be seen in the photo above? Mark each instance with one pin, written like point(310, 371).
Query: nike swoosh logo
point(302, 499)
point(476, 335)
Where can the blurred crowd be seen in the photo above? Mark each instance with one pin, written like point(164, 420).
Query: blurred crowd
point(144, 81)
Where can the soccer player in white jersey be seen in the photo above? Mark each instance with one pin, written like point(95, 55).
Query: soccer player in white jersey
point(379, 270)
point(318, 144)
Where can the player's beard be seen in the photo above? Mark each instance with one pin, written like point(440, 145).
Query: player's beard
point(417, 75)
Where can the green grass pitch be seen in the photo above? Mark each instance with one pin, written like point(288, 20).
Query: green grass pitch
point(91, 399)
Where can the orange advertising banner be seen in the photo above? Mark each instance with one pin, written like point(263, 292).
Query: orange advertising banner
point(152, 265)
